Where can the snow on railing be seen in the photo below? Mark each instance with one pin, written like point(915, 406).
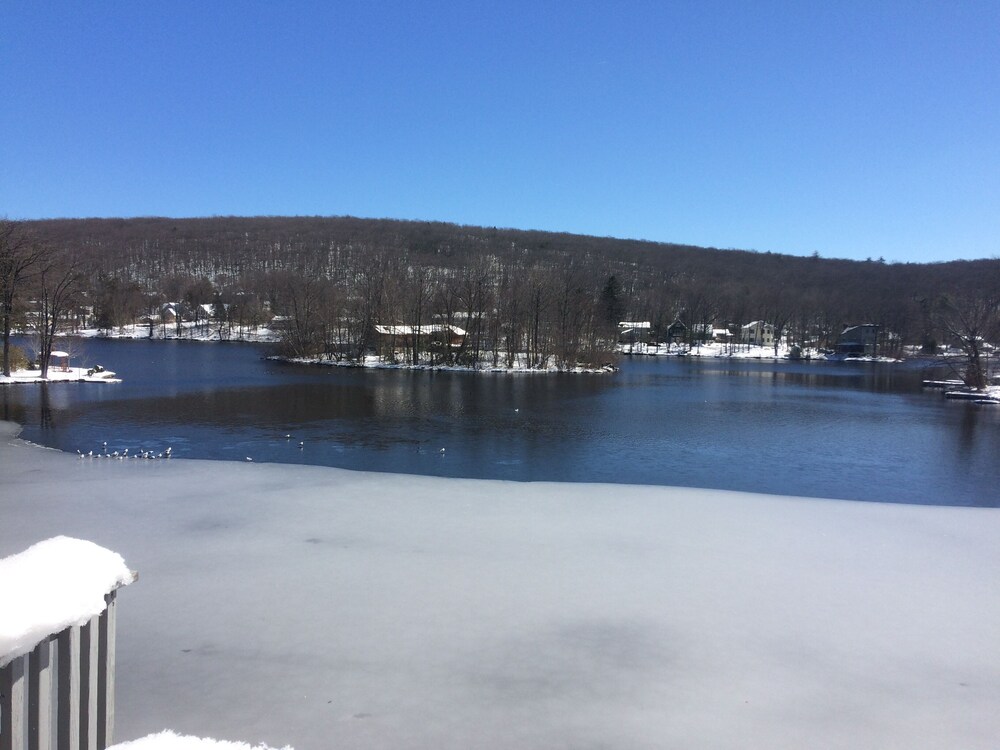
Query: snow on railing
point(57, 645)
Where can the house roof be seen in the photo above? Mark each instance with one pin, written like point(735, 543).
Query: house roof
point(858, 327)
point(406, 330)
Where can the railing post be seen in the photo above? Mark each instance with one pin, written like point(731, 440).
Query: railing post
point(106, 675)
point(40, 697)
point(68, 730)
point(88, 684)
point(12, 705)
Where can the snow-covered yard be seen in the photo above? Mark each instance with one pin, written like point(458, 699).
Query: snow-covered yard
point(188, 331)
point(320, 608)
point(60, 375)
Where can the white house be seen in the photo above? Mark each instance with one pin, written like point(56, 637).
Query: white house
point(757, 333)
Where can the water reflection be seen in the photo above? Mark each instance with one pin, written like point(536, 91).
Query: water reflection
point(247, 407)
point(14, 409)
point(45, 407)
point(968, 423)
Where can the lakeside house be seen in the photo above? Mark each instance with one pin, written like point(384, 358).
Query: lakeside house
point(634, 332)
point(675, 333)
point(434, 335)
point(859, 340)
point(170, 312)
point(757, 333)
point(722, 335)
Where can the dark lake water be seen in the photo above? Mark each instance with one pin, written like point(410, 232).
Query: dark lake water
point(844, 430)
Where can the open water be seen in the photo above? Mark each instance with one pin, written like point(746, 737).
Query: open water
point(821, 429)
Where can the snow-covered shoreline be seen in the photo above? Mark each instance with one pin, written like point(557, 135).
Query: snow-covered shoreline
point(263, 335)
point(375, 363)
point(60, 375)
point(187, 332)
point(715, 349)
point(306, 605)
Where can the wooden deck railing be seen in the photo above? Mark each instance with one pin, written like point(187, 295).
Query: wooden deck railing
point(57, 683)
point(61, 694)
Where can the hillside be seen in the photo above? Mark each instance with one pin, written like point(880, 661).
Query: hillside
point(531, 284)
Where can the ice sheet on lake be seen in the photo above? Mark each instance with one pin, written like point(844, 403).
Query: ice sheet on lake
point(320, 608)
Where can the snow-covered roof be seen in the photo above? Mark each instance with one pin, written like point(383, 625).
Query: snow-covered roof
point(848, 329)
point(52, 585)
point(167, 740)
point(405, 330)
point(634, 324)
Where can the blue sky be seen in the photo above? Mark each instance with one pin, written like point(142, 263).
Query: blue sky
point(848, 129)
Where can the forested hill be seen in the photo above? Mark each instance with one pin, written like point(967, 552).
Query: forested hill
point(651, 281)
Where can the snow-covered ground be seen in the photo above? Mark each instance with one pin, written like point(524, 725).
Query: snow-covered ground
point(736, 351)
point(520, 365)
point(59, 374)
point(189, 331)
point(319, 608)
point(168, 740)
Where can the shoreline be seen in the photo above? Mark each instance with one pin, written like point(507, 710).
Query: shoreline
point(291, 604)
point(59, 375)
point(264, 336)
point(375, 363)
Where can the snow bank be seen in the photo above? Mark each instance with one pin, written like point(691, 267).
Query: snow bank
point(52, 585)
point(168, 740)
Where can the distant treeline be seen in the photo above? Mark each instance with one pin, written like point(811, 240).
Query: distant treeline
point(548, 295)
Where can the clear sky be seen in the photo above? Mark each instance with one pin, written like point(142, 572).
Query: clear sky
point(851, 129)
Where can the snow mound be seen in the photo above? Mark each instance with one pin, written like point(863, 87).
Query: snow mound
point(167, 740)
point(52, 585)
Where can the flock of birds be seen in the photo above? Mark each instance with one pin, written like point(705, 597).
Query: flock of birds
point(121, 455)
point(149, 455)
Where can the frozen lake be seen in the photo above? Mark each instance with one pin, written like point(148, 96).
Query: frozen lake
point(325, 608)
point(843, 430)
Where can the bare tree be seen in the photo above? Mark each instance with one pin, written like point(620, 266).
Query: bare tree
point(20, 257)
point(117, 302)
point(972, 320)
point(417, 293)
point(302, 296)
point(366, 302)
point(58, 284)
